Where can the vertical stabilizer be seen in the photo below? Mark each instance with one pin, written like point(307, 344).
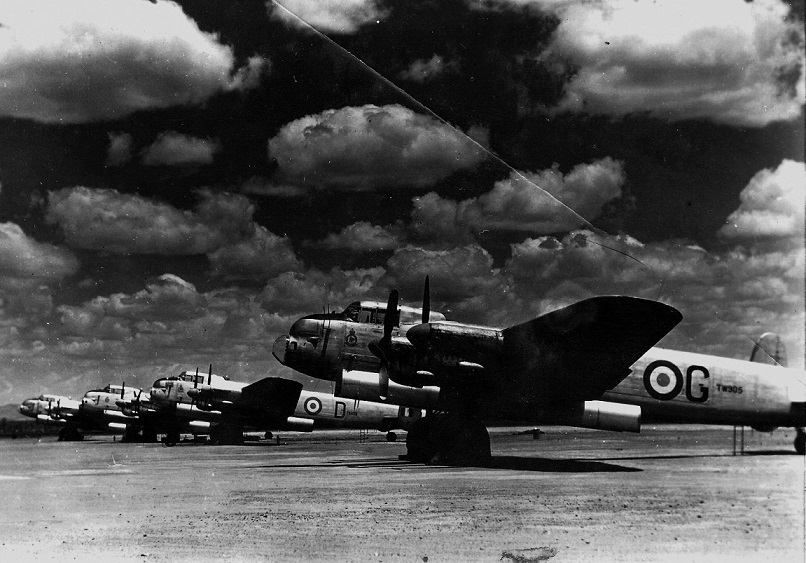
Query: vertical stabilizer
point(769, 349)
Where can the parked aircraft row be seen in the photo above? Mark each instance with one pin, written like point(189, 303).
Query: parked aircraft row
point(193, 403)
point(591, 364)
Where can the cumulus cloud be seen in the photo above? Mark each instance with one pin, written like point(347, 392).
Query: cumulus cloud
point(365, 237)
point(458, 273)
point(92, 60)
point(772, 206)
point(257, 185)
point(422, 70)
point(174, 149)
point(28, 270)
point(120, 149)
point(726, 298)
point(131, 224)
point(538, 202)
point(337, 16)
point(262, 255)
point(302, 293)
point(734, 62)
point(369, 147)
point(23, 258)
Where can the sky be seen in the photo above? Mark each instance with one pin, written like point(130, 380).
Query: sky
point(180, 181)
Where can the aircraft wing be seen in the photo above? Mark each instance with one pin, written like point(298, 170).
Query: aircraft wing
point(581, 351)
point(272, 395)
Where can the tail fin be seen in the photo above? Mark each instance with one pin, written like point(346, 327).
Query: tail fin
point(769, 349)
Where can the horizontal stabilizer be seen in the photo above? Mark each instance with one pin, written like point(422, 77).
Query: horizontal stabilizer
point(580, 351)
point(274, 395)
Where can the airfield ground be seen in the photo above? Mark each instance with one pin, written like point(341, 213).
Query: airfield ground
point(669, 494)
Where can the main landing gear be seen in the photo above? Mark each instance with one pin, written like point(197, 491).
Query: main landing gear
point(448, 439)
point(226, 435)
point(800, 441)
point(136, 435)
point(70, 434)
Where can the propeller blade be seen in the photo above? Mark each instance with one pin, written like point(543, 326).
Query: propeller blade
point(210, 376)
point(196, 379)
point(122, 390)
point(389, 317)
point(383, 382)
point(426, 301)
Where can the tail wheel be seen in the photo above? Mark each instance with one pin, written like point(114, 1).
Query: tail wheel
point(391, 436)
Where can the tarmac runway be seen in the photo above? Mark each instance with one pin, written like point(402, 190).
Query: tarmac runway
point(673, 493)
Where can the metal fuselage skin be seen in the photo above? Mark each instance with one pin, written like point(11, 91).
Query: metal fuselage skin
point(325, 410)
point(685, 387)
point(668, 385)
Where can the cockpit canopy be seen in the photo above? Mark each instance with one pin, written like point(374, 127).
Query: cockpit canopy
point(190, 377)
point(374, 312)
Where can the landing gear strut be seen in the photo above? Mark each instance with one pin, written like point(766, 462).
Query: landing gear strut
point(448, 439)
point(800, 441)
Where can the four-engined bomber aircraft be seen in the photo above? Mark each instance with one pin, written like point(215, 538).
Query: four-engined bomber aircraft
point(100, 410)
point(548, 370)
point(228, 408)
point(554, 368)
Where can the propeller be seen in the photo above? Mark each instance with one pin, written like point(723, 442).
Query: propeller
point(210, 376)
point(383, 348)
point(426, 302)
point(196, 379)
point(136, 404)
point(122, 389)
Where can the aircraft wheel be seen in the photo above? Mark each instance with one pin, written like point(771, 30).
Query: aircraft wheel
point(461, 441)
point(227, 435)
point(391, 436)
point(419, 446)
point(448, 440)
point(68, 434)
point(130, 435)
point(800, 442)
point(268, 435)
point(171, 439)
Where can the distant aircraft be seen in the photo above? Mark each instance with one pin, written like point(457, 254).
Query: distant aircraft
point(685, 387)
point(95, 412)
point(551, 369)
point(269, 404)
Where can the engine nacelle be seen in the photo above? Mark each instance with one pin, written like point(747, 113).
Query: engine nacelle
point(298, 424)
point(600, 415)
point(365, 386)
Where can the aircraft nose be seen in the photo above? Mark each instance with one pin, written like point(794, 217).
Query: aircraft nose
point(279, 347)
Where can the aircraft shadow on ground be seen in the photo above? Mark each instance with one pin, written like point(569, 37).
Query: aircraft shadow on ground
point(542, 465)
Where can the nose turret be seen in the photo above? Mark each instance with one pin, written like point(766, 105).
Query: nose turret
point(28, 407)
point(305, 348)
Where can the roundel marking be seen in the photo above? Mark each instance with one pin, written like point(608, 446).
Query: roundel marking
point(312, 405)
point(663, 380)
